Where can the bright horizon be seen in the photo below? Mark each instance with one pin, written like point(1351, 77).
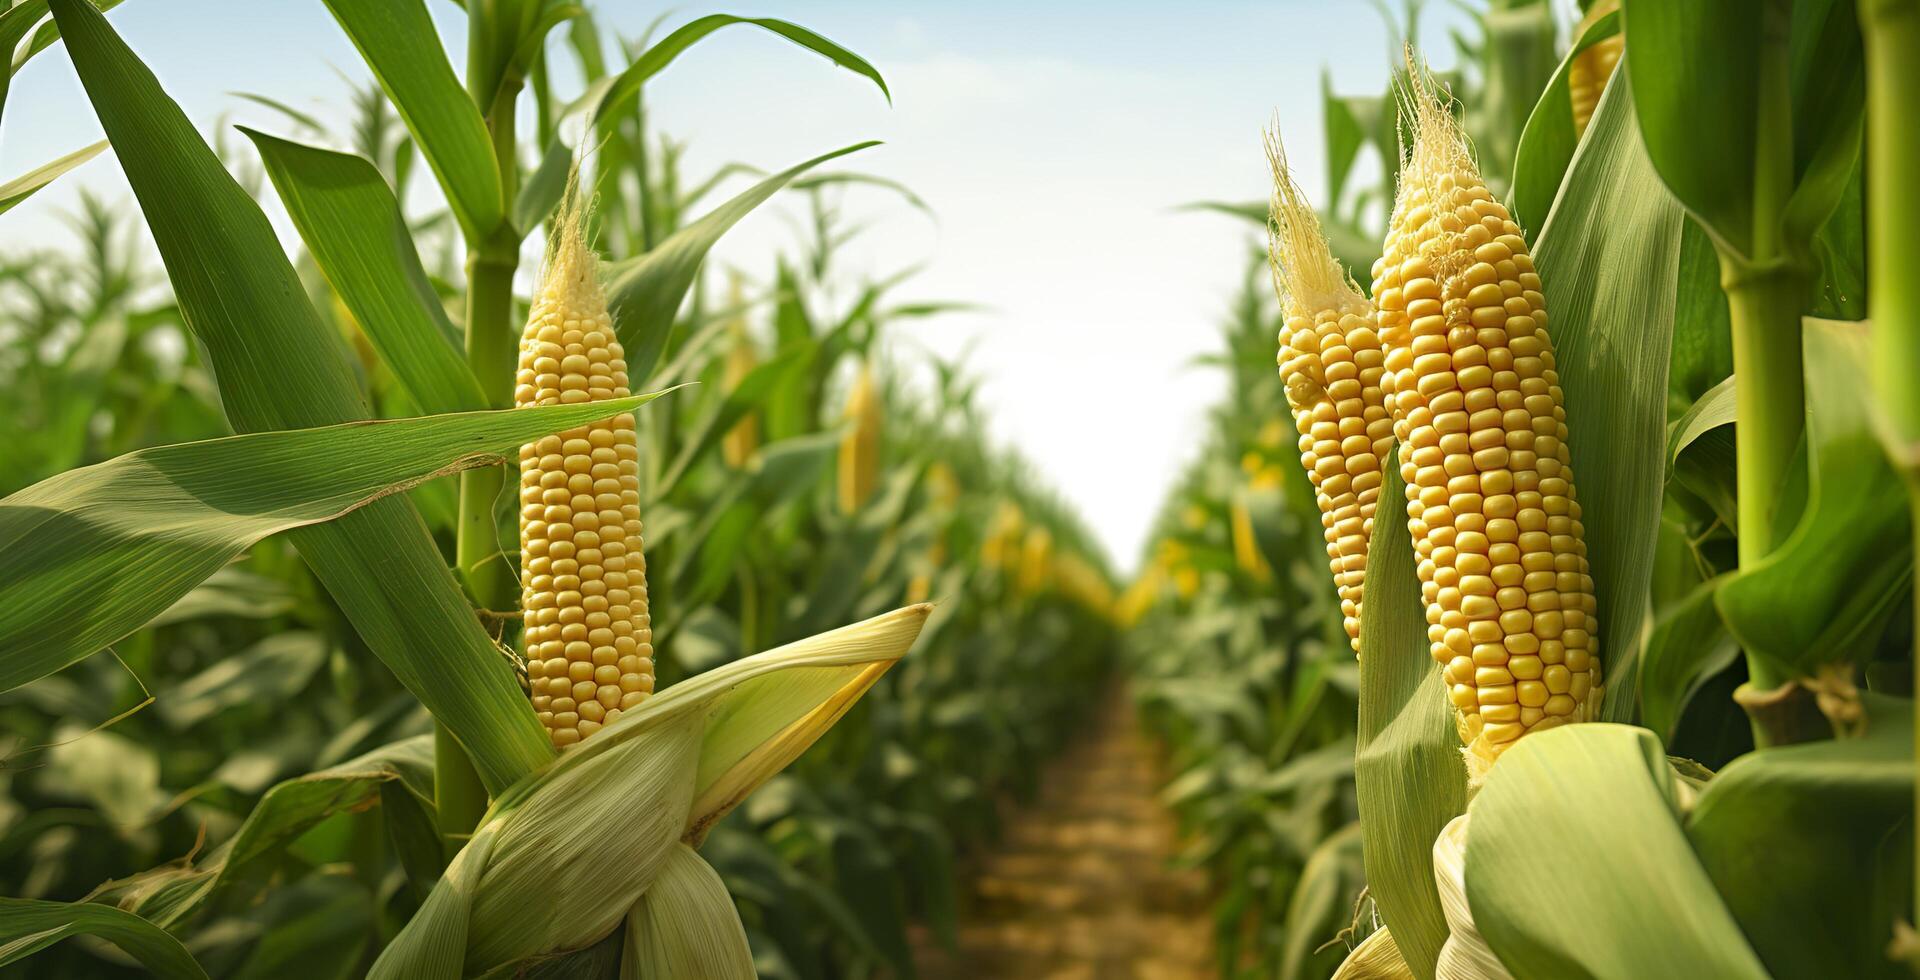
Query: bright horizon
point(1055, 149)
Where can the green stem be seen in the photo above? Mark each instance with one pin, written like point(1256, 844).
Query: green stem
point(491, 351)
point(1764, 293)
point(1770, 396)
point(459, 798)
point(1892, 34)
point(1891, 31)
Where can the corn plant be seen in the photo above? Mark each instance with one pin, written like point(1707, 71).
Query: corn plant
point(416, 657)
point(1753, 647)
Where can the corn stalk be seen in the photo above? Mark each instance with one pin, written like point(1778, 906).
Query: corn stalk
point(1891, 30)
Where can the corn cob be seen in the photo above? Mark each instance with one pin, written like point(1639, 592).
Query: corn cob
point(1483, 447)
point(943, 494)
point(1587, 75)
point(860, 449)
point(1246, 550)
point(738, 445)
point(1036, 561)
point(1331, 365)
point(1004, 535)
point(589, 641)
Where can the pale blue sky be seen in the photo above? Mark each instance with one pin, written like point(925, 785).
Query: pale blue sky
point(1055, 141)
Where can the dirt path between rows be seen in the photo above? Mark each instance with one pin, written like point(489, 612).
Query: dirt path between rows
point(1082, 887)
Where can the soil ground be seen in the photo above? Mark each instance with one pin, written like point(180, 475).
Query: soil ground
point(1082, 887)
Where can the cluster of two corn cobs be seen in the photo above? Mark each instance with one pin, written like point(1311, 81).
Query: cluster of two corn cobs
point(1451, 361)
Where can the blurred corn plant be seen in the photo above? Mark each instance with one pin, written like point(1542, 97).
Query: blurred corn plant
point(309, 731)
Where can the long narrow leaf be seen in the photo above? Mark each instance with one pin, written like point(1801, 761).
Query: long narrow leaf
point(28, 926)
point(644, 293)
point(22, 187)
point(88, 556)
point(1408, 777)
point(609, 96)
point(347, 215)
point(397, 39)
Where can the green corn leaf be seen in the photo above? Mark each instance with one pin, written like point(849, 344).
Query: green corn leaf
point(608, 96)
point(752, 391)
point(347, 215)
point(1578, 818)
point(398, 42)
point(1344, 135)
point(686, 926)
point(1408, 777)
point(1810, 845)
point(543, 189)
point(644, 293)
point(173, 895)
point(15, 23)
point(1609, 259)
point(1321, 905)
point(94, 553)
point(22, 187)
point(1825, 593)
point(28, 926)
point(1687, 646)
point(266, 673)
point(1696, 78)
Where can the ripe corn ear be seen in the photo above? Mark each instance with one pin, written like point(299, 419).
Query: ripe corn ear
point(1482, 433)
point(1332, 365)
point(860, 449)
point(1587, 75)
point(589, 638)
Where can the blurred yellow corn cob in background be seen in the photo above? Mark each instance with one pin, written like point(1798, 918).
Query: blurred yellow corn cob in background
point(860, 448)
point(589, 641)
point(1036, 561)
point(1246, 550)
point(943, 495)
point(1331, 364)
point(1004, 537)
point(1482, 434)
point(738, 445)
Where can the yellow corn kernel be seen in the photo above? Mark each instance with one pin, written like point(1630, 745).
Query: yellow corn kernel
point(740, 442)
point(860, 448)
point(588, 636)
point(1477, 410)
point(1332, 365)
point(1587, 75)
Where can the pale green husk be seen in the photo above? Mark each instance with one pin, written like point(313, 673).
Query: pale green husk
point(565, 854)
point(686, 926)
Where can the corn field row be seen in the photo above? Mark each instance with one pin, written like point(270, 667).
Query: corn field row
point(498, 587)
